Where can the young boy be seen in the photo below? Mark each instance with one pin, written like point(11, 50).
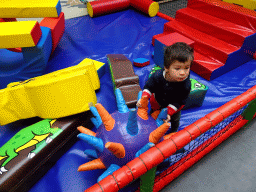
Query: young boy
point(170, 87)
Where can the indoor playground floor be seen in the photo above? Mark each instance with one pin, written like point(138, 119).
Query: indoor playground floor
point(231, 166)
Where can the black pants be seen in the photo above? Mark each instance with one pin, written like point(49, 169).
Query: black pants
point(175, 122)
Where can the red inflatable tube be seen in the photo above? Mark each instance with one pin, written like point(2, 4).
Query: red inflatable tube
point(146, 6)
point(123, 176)
point(97, 8)
point(159, 14)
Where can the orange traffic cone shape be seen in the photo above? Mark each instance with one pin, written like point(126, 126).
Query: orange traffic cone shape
point(143, 110)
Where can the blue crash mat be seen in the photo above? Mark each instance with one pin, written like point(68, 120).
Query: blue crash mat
point(129, 33)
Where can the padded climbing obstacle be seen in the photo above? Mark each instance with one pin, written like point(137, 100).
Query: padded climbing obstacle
point(29, 8)
point(124, 78)
point(222, 43)
point(53, 95)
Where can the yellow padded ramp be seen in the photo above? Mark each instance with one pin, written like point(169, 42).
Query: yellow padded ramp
point(19, 34)
point(28, 8)
point(54, 95)
point(249, 4)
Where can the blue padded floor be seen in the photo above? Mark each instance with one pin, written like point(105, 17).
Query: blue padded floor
point(129, 33)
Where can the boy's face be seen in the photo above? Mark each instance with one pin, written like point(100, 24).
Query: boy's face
point(178, 71)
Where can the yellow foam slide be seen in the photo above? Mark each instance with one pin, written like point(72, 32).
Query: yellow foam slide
point(54, 95)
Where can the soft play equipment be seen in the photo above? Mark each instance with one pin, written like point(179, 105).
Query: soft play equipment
point(197, 93)
point(26, 46)
point(54, 95)
point(34, 149)
point(109, 34)
point(120, 137)
point(102, 7)
point(249, 4)
point(222, 43)
point(29, 9)
point(124, 78)
point(198, 132)
point(141, 62)
point(28, 35)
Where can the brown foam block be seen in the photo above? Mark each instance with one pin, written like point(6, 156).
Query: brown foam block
point(130, 94)
point(33, 150)
point(124, 78)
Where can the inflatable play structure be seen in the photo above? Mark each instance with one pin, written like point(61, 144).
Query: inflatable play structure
point(26, 46)
point(228, 105)
point(120, 136)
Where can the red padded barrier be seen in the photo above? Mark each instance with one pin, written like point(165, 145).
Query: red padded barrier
point(109, 184)
point(203, 124)
point(94, 188)
point(193, 130)
point(167, 147)
point(123, 176)
point(186, 162)
point(152, 157)
point(181, 138)
point(137, 167)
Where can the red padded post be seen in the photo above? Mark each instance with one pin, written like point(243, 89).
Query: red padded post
point(96, 8)
point(146, 6)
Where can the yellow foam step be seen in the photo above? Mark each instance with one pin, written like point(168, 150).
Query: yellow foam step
point(19, 34)
point(29, 8)
point(58, 94)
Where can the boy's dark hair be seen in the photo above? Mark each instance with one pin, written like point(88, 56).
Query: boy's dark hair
point(179, 51)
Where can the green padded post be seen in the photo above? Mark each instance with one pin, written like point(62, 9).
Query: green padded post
point(147, 181)
point(250, 111)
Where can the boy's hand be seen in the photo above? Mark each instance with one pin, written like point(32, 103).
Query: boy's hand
point(139, 103)
point(168, 119)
